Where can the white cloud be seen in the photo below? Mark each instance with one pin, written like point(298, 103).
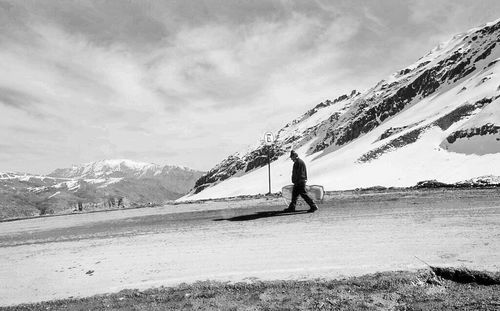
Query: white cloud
point(82, 81)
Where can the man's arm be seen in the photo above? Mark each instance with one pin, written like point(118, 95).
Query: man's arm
point(303, 171)
point(294, 173)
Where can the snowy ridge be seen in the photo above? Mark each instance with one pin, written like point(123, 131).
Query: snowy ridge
point(107, 168)
point(293, 135)
point(23, 176)
point(103, 174)
point(438, 118)
point(97, 185)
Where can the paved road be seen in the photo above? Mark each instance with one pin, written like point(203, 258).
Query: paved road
point(352, 234)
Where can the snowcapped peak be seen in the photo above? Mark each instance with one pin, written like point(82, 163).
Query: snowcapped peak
point(107, 168)
point(460, 42)
point(118, 164)
point(492, 23)
point(115, 168)
point(7, 175)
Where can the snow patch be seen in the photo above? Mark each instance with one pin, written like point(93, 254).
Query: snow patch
point(58, 192)
point(110, 181)
point(72, 185)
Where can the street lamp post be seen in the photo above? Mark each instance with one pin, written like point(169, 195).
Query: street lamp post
point(268, 140)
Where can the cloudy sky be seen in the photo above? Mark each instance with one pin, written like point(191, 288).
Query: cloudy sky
point(190, 82)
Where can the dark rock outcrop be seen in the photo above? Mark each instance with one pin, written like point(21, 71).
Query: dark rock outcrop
point(487, 129)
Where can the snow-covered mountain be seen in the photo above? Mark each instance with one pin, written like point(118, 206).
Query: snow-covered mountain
point(178, 179)
point(438, 118)
point(117, 168)
point(96, 185)
point(107, 168)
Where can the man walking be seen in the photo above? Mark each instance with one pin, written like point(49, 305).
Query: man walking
point(299, 179)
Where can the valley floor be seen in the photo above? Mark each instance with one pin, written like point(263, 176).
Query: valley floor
point(353, 233)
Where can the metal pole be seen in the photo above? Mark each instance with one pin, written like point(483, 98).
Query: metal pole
point(268, 141)
point(269, 168)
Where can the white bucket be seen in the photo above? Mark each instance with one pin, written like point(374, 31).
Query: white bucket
point(315, 192)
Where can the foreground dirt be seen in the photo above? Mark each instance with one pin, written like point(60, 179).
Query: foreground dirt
point(382, 291)
point(353, 234)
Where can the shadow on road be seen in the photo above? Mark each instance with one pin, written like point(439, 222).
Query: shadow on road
point(258, 215)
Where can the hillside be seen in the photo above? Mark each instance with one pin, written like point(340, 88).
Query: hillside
point(438, 119)
point(91, 186)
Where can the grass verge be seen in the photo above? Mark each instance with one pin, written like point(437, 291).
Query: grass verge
point(401, 290)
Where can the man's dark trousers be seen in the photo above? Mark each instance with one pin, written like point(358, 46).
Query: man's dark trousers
point(300, 189)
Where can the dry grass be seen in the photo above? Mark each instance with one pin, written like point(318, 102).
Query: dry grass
point(421, 290)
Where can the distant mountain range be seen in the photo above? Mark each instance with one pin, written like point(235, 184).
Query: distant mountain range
point(438, 118)
point(96, 185)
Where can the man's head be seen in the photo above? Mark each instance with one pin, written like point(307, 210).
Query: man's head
point(293, 155)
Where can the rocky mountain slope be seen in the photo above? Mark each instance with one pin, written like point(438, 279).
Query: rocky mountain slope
point(97, 185)
point(438, 118)
point(177, 179)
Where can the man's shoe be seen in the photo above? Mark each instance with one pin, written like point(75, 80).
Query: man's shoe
point(312, 209)
point(289, 210)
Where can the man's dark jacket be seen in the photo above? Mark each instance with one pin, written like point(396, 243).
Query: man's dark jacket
point(299, 172)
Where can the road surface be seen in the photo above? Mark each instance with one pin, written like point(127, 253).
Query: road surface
point(352, 234)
